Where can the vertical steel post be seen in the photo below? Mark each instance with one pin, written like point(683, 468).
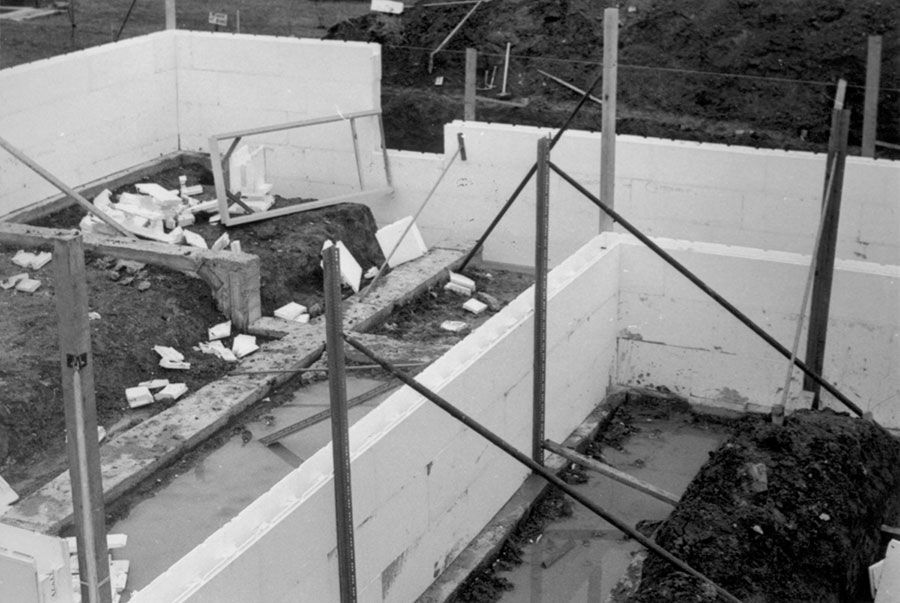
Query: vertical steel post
point(469, 99)
point(870, 106)
point(340, 438)
point(81, 418)
point(542, 223)
point(170, 14)
point(821, 294)
point(359, 168)
point(608, 116)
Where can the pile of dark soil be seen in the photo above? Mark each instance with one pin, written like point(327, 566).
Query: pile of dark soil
point(805, 532)
point(819, 40)
point(175, 311)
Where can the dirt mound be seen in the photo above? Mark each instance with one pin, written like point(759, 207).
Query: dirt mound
point(806, 532)
point(818, 40)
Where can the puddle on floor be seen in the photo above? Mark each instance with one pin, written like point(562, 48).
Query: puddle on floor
point(184, 512)
point(586, 556)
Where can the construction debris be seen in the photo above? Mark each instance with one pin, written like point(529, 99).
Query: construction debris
point(28, 285)
point(7, 495)
point(492, 302)
point(154, 383)
point(13, 280)
point(876, 570)
point(292, 311)
point(174, 364)
point(118, 568)
point(351, 271)
point(33, 261)
point(475, 306)
point(94, 316)
point(393, 7)
point(171, 392)
point(138, 396)
point(130, 266)
point(244, 345)
point(143, 285)
point(217, 348)
point(219, 331)
point(221, 243)
point(397, 250)
point(171, 358)
point(454, 326)
point(235, 246)
point(195, 240)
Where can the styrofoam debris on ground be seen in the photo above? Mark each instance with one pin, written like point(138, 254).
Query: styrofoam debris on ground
point(244, 345)
point(290, 311)
point(154, 383)
point(195, 240)
point(351, 271)
point(217, 348)
point(12, 281)
point(28, 285)
point(411, 247)
point(458, 289)
point(221, 243)
point(168, 353)
point(219, 331)
point(454, 326)
point(138, 396)
point(177, 365)
point(462, 281)
point(475, 306)
point(171, 392)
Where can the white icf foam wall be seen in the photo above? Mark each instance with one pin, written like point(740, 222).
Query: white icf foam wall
point(92, 113)
point(673, 334)
point(423, 485)
point(762, 198)
point(86, 115)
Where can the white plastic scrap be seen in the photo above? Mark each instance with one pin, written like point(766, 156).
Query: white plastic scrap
point(28, 285)
point(138, 396)
point(217, 348)
point(171, 392)
point(475, 306)
point(13, 280)
point(244, 345)
point(351, 271)
point(291, 311)
point(219, 331)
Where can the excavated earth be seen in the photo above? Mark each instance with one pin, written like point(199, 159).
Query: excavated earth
point(818, 40)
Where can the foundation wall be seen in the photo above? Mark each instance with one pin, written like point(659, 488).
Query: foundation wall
point(423, 485)
point(85, 115)
point(672, 334)
point(767, 199)
point(234, 82)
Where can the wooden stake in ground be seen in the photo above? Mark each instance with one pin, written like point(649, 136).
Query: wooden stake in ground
point(170, 14)
point(870, 108)
point(821, 295)
point(608, 135)
point(81, 418)
point(471, 75)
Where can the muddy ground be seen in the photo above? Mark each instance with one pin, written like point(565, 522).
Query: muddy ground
point(175, 311)
point(663, 46)
point(807, 532)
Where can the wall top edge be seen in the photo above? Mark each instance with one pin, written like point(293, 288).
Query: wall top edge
point(86, 52)
point(191, 33)
point(670, 142)
point(753, 253)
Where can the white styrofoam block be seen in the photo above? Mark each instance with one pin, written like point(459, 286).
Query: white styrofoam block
point(11, 282)
point(159, 193)
point(28, 285)
point(290, 311)
point(7, 495)
point(171, 392)
point(244, 345)
point(177, 365)
point(154, 383)
point(351, 271)
point(393, 7)
point(194, 240)
point(138, 396)
point(475, 306)
point(462, 280)
point(409, 248)
point(221, 243)
point(168, 353)
point(219, 331)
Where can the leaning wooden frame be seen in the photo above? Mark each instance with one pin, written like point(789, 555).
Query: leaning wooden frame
point(220, 162)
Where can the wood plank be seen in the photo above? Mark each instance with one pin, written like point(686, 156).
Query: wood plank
point(469, 98)
point(608, 117)
point(76, 361)
point(612, 473)
point(358, 197)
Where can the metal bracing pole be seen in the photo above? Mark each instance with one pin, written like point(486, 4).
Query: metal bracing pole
point(340, 438)
point(539, 371)
point(706, 289)
point(548, 475)
point(608, 119)
point(515, 195)
point(469, 93)
point(821, 293)
point(450, 36)
point(460, 152)
point(63, 187)
point(81, 418)
point(870, 105)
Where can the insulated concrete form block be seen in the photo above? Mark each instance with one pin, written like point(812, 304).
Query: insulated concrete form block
point(391, 448)
point(86, 114)
point(686, 342)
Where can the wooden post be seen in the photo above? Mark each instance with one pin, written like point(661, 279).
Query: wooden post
point(471, 69)
point(542, 220)
point(608, 136)
point(170, 14)
point(870, 108)
point(340, 437)
point(821, 295)
point(76, 361)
